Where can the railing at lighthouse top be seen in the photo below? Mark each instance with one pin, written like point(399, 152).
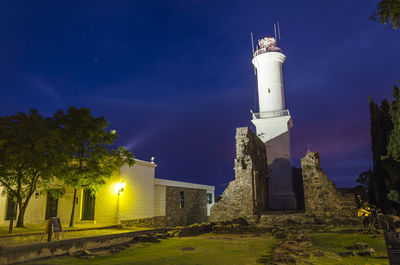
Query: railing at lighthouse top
point(270, 114)
point(265, 50)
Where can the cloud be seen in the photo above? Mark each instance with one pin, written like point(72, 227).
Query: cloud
point(123, 102)
point(39, 84)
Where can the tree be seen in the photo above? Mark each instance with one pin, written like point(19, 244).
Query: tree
point(88, 144)
point(393, 147)
point(392, 158)
point(381, 127)
point(30, 155)
point(388, 11)
point(384, 183)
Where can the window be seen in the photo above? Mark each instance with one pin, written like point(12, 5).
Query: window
point(51, 207)
point(182, 199)
point(88, 205)
point(209, 198)
point(269, 90)
point(11, 209)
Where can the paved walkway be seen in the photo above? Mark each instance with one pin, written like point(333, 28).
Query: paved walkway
point(22, 239)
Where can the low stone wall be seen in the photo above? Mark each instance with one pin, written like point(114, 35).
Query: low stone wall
point(158, 221)
point(322, 199)
point(283, 219)
point(19, 254)
point(248, 193)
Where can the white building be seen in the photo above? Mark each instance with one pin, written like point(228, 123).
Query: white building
point(273, 122)
point(131, 193)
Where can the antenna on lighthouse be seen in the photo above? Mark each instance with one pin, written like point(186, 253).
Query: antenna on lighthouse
point(275, 32)
point(279, 32)
point(279, 36)
point(252, 49)
point(252, 43)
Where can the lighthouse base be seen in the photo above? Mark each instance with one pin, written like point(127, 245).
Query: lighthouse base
point(274, 132)
point(282, 201)
point(281, 195)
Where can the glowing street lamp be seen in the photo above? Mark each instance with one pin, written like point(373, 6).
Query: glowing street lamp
point(120, 187)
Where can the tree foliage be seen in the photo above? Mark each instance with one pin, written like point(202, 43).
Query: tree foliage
point(381, 127)
point(388, 11)
point(384, 182)
point(362, 190)
point(392, 158)
point(30, 156)
point(393, 147)
point(88, 143)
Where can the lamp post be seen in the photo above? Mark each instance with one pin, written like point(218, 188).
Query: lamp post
point(120, 189)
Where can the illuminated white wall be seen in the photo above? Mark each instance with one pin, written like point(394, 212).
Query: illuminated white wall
point(137, 200)
point(35, 212)
point(269, 79)
point(160, 200)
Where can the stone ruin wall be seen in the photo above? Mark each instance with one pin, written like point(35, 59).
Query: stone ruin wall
point(321, 197)
point(248, 193)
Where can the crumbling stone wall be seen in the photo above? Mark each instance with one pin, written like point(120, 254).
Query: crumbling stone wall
point(248, 193)
point(322, 199)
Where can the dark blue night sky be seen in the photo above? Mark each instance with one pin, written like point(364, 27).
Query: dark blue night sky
point(175, 78)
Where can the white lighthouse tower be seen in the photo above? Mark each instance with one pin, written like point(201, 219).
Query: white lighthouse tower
point(273, 122)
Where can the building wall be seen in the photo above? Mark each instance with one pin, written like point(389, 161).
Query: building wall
point(172, 183)
point(106, 202)
point(143, 198)
point(65, 206)
point(35, 212)
point(167, 210)
point(137, 200)
point(195, 206)
point(209, 205)
point(159, 200)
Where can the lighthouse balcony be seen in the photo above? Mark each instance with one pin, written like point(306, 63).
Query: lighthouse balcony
point(271, 114)
point(265, 50)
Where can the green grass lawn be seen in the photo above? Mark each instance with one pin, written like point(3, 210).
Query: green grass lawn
point(339, 240)
point(207, 249)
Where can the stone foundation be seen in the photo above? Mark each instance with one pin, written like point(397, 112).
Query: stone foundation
point(322, 199)
point(248, 193)
point(158, 221)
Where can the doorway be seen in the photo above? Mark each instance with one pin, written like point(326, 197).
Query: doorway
point(51, 207)
point(88, 202)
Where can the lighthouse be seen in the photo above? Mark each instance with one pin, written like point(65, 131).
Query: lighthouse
point(273, 122)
